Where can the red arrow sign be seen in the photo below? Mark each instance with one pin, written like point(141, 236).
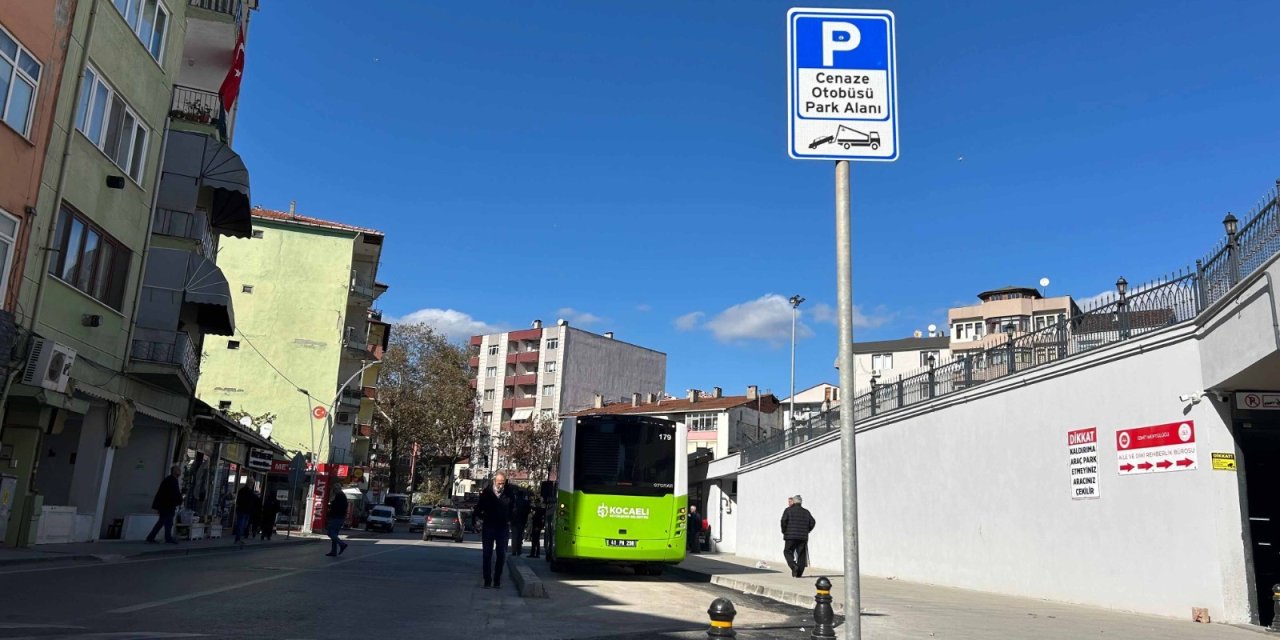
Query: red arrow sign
point(1164, 464)
point(1145, 466)
point(1185, 462)
point(1126, 467)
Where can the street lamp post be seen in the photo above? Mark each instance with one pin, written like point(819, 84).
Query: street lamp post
point(932, 361)
point(329, 421)
point(1232, 227)
point(795, 301)
point(1122, 288)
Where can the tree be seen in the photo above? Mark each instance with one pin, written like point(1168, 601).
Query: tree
point(535, 448)
point(426, 396)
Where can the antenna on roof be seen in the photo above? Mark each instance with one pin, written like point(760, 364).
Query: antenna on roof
point(1044, 287)
point(293, 208)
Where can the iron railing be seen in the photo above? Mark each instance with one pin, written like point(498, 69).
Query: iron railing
point(177, 351)
point(1116, 317)
point(200, 107)
point(229, 7)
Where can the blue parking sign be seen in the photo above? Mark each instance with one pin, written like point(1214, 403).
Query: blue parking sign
point(842, 85)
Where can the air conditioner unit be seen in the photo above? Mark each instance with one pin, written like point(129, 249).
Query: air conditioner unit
point(344, 417)
point(877, 374)
point(49, 365)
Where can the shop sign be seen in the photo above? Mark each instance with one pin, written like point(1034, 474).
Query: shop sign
point(280, 467)
point(259, 459)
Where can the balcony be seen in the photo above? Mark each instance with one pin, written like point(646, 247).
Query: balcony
point(362, 287)
point(474, 362)
point(518, 403)
point(200, 108)
point(180, 224)
point(168, 360)
point(527, 356)
point(228, 7)
point(350, 398)
point(522, 379)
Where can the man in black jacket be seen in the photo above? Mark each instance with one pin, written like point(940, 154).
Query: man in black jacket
point(495, 509)
point(537, 521)
point(336, 516)
point(797, 522)
point(168, 499)
point(520, 520)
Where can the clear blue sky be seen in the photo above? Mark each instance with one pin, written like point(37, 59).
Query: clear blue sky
point(626, 163)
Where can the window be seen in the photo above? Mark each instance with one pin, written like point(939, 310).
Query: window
point(547, 414)
point(551, 366)
point(111, 125)
point(1047, 320)
point(967, 331)
point(233, 344)
point(257, 233)
point(548, 390)
point(488, 395)
point(531, 346)
point(488, 419)
point(924, 358)
point(19, 78)
point(882, 361)
point(88, 260)
point(553, 343)
point(493, 349)
point(491, 372)
point(246, 288)
point(706, 421)
point(224, 405)
point(832, 394)
point(8, 237)
point(149, 20)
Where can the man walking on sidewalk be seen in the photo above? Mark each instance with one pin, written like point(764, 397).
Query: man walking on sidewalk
point(168, 499)
point(797, 522)
point(537, 520)
point(244, 511)
point(520, 520)
point(336, 516)
point(693, 539)
point(495, 509)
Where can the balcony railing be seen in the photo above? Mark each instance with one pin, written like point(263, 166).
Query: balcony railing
point(199, 107)
point(229, 7)
point(177, 351)
point(182, 224)
point(362, 287)
point(350, 397)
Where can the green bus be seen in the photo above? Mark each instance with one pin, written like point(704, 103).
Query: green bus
point(621, 493)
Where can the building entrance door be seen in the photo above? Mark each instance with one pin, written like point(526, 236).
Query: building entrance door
point(1259, 441)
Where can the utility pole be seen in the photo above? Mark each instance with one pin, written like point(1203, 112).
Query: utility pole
point(795, 301)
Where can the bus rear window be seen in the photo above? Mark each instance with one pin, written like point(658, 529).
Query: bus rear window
point(624, 459)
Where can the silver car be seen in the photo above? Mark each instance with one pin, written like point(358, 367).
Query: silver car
point(443, 522)
point(418, 518)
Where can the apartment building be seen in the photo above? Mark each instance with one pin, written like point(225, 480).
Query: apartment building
point(115, 303)
point(810, 402)
point(523, 375)
point(1003, 312)
point(308, 341)
point(718, 424)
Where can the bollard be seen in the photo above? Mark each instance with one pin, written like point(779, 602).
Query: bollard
point(722, 613)
point(824, 616)
point(1275, 608)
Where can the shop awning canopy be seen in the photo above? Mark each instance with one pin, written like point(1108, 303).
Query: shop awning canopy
point(234, 430)
point(522, 414)
point(193, 160)
point(175, 277)
point(207, 288)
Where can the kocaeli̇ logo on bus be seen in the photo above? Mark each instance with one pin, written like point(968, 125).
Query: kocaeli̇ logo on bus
point(630, 513)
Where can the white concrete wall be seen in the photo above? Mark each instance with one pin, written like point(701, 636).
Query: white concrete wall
point(976, 492)
point(1243, 329)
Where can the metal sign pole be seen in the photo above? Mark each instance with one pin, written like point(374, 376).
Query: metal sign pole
point(848, 450)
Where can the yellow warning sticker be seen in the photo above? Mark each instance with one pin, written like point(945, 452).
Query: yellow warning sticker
point(1224, 461)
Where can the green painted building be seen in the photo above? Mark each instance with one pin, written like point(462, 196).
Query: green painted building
point(303, 290)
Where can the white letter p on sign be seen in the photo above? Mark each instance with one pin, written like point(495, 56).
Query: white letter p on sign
point(830, 43)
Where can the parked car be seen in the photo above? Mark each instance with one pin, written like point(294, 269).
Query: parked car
point(418, 518)
point(443, 521)
point(381, 517)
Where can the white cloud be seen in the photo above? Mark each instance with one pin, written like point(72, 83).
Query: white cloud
point(454, 324)
point(644, 308)
point(689, 321)
point(578, 317)
point(825, 313)
point(766, 318)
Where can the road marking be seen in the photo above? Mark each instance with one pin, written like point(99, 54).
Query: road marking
point(19, 625)
point(241, 585)
point(136, 560)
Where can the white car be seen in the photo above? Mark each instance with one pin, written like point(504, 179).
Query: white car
point(381, 517)
point(418, 518)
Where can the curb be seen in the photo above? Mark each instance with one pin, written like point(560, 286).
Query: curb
point(803, 600)
point(179, 551)
point(528, 584)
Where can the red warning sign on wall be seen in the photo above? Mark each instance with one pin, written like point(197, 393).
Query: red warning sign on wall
point(1156, 449)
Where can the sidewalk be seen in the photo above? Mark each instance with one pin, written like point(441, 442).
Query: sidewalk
point(897, 610)
point(112, 550)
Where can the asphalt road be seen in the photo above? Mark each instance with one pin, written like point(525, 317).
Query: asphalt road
point(383, 587)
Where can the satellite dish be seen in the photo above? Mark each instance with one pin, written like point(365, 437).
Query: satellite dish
point(933, 328)
point(1044, 282)
point(246, 421)
point(265, 429)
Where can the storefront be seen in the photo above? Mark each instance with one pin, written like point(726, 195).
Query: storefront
point(221, 457)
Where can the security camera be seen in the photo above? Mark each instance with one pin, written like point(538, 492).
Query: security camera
point(1187, 398)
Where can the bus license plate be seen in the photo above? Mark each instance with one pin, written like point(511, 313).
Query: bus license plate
point(619, 543)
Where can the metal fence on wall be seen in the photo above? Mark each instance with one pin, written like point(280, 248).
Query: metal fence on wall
point(1127, 313)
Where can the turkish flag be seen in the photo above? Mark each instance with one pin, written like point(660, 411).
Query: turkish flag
point(230, 89)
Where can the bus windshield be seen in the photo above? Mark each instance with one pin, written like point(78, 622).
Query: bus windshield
point(624, 459)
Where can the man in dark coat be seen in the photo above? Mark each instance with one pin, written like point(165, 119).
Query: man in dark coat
point(797, 522)
point(270, 508)
point(519, 520)
point(496, 510)
point(695, 530)
point(245, 500)
point(336, 516)
point(537, 521)
point(168, 499)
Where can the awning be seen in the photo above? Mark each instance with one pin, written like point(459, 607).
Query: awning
point(193, 160)
point(207, 289)
point(522, 414)
point(233, 430)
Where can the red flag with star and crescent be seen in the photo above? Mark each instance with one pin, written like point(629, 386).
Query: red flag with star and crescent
point(230, 89)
